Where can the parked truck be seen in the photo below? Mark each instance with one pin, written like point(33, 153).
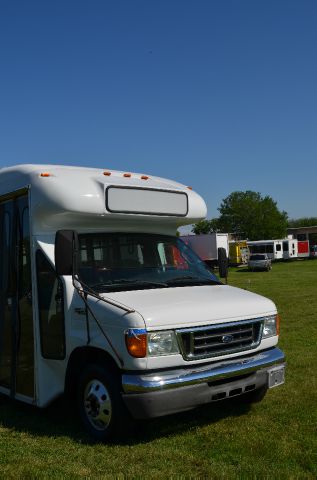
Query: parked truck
point(101, 301)
point(206, 246)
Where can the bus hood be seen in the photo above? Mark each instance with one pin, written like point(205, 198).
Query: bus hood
point(195, 305)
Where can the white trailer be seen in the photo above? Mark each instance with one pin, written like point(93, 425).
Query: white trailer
point(206, 245)
point(290, 248)
point(99, 299)
point(273, 248)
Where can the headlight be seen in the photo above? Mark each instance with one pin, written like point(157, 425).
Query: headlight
point(140, 343)
point(162, 343)
point(271, 326)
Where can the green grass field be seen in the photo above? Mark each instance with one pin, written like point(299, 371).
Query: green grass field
point(275, 438)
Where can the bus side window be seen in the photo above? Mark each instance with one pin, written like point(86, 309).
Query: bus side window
point(51, 309)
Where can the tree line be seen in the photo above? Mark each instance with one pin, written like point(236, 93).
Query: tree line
point(247, 215)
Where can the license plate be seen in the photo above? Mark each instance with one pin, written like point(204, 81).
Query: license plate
point(276, 376)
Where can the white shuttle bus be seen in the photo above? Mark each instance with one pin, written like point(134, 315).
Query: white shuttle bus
point(273, 248)
point(102, 301)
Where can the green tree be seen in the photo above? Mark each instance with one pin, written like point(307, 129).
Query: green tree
point(303, 222)
point(252, 216)
point(205, 226)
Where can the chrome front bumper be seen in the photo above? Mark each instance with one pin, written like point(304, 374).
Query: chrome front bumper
point(169, 379)
point(164, 392)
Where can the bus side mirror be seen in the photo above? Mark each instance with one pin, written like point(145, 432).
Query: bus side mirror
point(222, 263)
point(66, 249)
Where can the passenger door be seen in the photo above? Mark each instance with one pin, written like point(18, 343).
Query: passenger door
point(16, 305)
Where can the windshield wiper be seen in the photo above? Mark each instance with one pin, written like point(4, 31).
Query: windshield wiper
point(190, 280)
point(125, 283)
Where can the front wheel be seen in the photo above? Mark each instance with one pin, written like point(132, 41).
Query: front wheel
point(100, 405)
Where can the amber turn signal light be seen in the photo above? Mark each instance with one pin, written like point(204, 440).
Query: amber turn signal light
point(136, 343)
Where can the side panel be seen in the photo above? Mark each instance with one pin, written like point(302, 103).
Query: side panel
point(222, 242)
point(303, 248)
point(205, 246)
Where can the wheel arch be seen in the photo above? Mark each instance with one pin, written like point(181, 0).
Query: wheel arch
point(79, 358)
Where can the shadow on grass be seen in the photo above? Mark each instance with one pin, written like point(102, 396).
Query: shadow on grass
point(182, 422)
point(59, 420)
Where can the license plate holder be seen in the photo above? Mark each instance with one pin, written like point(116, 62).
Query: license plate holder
point(276, 376)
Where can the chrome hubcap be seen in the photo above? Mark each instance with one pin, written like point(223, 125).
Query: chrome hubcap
point(97, 404)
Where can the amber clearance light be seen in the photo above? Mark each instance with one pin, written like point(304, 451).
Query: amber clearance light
point(136, 341)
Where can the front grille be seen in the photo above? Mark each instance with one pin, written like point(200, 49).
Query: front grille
point(221, 339)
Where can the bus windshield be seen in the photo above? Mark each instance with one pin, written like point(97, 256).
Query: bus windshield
point(134, 261)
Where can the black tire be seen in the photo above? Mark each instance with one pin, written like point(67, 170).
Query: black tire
point(100, 405)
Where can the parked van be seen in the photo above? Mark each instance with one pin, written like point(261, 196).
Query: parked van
point(99, 299)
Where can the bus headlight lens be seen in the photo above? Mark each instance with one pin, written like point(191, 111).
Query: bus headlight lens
point(162, 343)
point(271, 326)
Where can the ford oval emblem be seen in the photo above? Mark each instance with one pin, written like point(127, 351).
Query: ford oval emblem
point(227, 338)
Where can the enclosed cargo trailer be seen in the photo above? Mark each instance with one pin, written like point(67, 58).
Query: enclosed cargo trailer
point(239, 252)
point(206, 246)
point(303, 248)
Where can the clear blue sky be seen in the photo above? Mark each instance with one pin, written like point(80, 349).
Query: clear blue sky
point(220, 95)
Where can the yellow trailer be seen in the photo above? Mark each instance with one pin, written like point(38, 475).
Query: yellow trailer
point(238, 252)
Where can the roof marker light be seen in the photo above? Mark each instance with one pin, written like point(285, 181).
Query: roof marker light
point(127, 175)
point(144, 177)
point(107, 174)
point(45, 174)
point(190, 188)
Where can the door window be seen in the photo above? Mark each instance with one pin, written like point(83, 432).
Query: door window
point(6, 319)
point(24, 320)
point(51, 309)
